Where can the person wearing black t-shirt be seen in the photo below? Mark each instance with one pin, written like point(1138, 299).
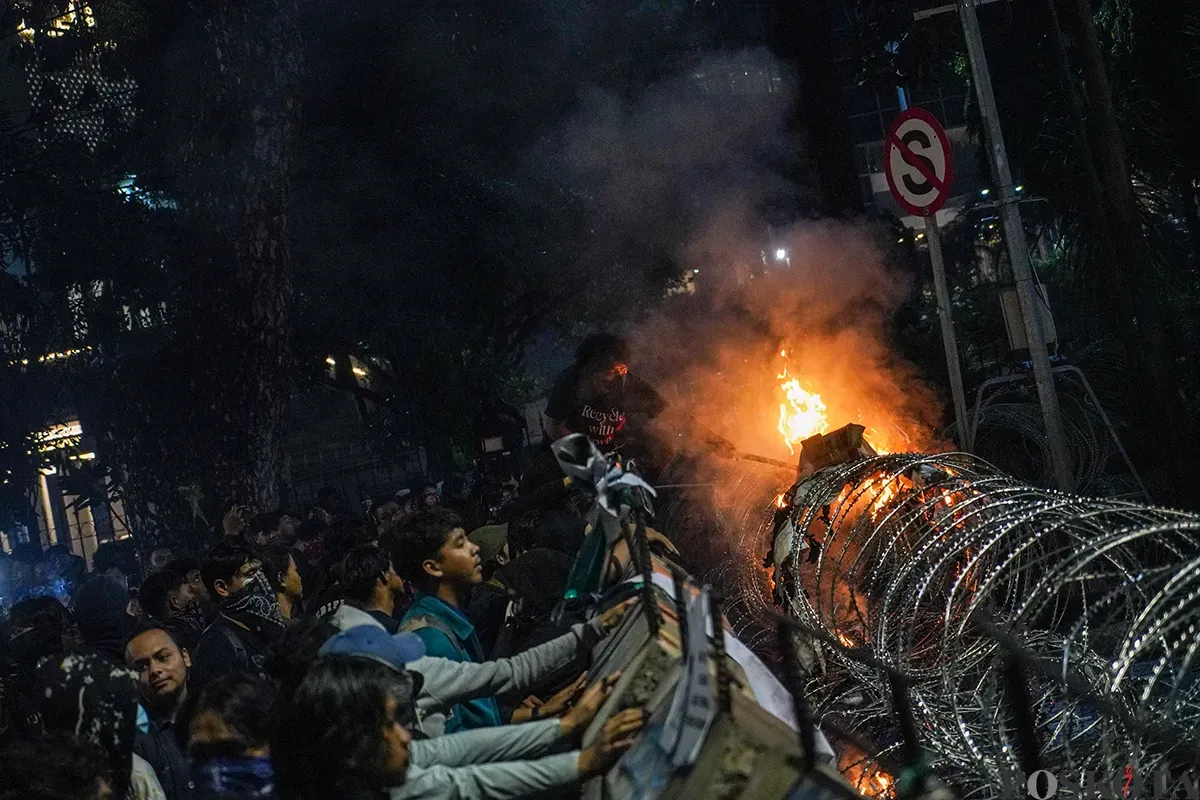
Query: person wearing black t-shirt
point(597, 396)
point(370, 584)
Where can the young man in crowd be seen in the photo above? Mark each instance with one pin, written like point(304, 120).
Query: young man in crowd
point(371, 584)
point(280, 567)
point(228, 740)
point(436, 557)
point(170, 597)
point(273, 527)
point(249, 619)
point(596, 395)
point(162, 667)
point(386, 513)
point(344, 733)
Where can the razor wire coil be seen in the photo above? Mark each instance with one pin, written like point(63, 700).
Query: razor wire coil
point(913, 552)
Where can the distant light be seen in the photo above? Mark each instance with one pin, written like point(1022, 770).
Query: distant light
point(330, 361)
point(920, 235)
point(985, 192)
point(359, 371)
point(1020, 188)
point(900, 240)
point(780, 254)
point(695, 272)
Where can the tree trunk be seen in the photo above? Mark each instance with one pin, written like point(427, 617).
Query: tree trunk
point(239, 320)
point(1093, 211)
point(1135, 273)
point(1189, 199)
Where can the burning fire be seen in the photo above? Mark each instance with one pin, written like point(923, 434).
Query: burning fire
point(865, 776)
point(803, 415)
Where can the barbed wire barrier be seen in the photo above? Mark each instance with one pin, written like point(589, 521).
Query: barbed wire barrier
point(973, 587)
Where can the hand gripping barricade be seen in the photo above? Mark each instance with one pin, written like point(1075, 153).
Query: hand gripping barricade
point(720, 725)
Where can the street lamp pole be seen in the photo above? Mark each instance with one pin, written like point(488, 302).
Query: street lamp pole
point(1018, 253)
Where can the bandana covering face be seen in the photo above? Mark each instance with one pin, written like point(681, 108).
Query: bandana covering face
point(94, 699)
point(230, 778)
point(192, 615)
point(256, 606)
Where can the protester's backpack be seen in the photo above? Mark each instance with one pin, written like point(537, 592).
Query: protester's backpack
point(416, 622)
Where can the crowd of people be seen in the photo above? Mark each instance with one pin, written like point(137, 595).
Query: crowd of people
point(413, 653)
point(409, 657)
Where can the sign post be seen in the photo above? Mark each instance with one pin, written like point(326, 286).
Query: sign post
point(919, 169)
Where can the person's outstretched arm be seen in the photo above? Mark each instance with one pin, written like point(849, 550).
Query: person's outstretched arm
point(448, 683)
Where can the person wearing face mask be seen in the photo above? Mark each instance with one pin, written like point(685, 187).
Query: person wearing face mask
point(162, 668)
point(596, 396)
point(228, 740)
point(170, 597)
point(249, 618)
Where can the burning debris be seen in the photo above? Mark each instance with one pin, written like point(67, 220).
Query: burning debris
point(912, 560)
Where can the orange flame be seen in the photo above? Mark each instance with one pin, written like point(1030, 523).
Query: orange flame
point(781, 501)
point(866, 777)
point(803, 415)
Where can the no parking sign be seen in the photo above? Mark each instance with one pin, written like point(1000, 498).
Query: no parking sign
point(917, 162)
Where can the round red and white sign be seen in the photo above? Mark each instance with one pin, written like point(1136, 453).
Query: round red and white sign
point(918, 163)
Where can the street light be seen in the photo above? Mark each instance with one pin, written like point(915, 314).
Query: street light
point(781, 254)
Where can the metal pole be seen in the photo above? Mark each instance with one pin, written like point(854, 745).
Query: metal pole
point(949, 341)
point(1018, 254)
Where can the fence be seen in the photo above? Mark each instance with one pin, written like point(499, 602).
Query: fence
point(356, 474)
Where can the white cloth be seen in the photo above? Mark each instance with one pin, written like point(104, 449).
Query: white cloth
point(143, 781)
point(768, 691)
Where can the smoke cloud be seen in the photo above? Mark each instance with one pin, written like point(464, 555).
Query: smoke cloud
point(688, 174)
point(695, 169)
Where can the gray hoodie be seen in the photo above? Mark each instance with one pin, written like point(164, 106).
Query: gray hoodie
point(447, 683)
point(490, 764)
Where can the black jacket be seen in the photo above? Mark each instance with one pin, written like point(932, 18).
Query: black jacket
point(160, 748)
point(227, 647)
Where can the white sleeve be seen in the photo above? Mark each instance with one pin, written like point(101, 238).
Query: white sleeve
point(507, 780)
point(487, 745)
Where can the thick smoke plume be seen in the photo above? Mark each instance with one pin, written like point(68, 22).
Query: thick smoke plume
point(694, 169)
point(690, 171)
point(719, 352)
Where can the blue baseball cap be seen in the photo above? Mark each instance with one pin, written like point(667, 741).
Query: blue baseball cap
point(369, 641)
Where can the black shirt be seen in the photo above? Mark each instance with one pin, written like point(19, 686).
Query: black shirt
point(389, 622)
point(327, 602)
point(602, 415)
